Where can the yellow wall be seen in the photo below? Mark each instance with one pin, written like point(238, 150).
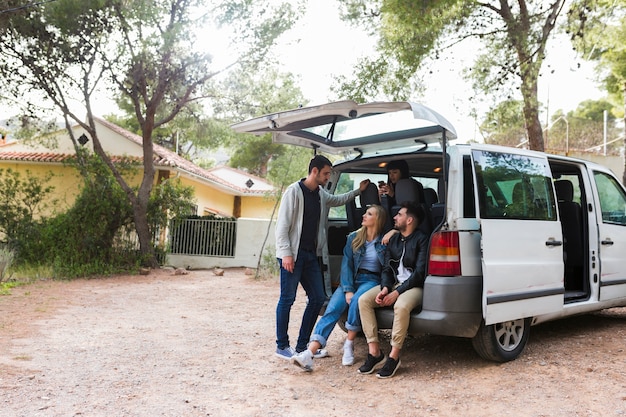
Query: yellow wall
point(65, 182)
point(209, 199)
point(257, 207)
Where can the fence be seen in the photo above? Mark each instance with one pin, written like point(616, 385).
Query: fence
point(214, 237)
point(250, 235)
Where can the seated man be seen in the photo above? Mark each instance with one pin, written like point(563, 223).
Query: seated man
point(402, 282)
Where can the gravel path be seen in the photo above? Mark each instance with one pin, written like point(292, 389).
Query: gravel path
point(202, 345)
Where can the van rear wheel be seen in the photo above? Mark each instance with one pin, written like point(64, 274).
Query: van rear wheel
point(342, 321)
point(502, 342)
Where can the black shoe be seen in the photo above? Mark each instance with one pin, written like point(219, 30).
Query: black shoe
point(372, 363)
point(390, 368)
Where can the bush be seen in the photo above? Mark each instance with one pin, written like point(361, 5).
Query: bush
point(269, 264)
point(96, 235)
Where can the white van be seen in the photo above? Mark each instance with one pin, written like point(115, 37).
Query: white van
point(517, 237)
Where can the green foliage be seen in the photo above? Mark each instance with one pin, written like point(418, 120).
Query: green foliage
point(23, 201)
point(251, 94)
point(504, 124)
point(583, 128)
point(513, 38)
point(170, 199)
point(256, 154)
point(95, 236)
point(594, 110)
point(268, 267)
point(408, 32)
point(598, 31)
point(147, 51)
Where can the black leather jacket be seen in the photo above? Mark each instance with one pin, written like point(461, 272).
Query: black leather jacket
point(415, 254)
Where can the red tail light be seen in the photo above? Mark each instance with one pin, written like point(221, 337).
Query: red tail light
point(444, 257)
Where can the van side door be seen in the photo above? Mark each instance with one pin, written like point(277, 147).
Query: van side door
point(612, 235)
point(521, 237)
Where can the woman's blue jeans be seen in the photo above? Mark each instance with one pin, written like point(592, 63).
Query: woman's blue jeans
point(306, 272)
point(338, 305)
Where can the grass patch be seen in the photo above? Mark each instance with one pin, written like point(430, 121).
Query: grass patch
point(5, 287)
point(24, 275)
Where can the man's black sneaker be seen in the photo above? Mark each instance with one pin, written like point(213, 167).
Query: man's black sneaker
point(372, 363)
point(390, 368)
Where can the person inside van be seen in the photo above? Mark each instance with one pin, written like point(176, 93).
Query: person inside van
point(402, 283)
point(396, 170)
point(363, 257)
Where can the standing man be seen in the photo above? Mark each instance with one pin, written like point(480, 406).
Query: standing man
point(300, 237)
point(402, 283)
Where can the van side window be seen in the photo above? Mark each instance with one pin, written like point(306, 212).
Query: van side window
point(469, 204)
point(612, 199)
point(513, 186)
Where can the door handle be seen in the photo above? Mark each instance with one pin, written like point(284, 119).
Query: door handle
point(607, 242)
point(553, 242)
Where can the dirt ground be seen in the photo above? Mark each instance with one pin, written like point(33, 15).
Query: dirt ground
point(202, 345)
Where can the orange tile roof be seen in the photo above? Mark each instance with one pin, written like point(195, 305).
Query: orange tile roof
point(163, 157)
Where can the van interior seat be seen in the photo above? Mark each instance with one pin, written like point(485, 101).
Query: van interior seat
point(522, 201)
point(430, 197)
point(354, 214)
point(571, 222)
point(408, 189)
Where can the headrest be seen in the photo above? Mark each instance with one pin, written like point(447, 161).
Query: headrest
point(564, 190)
point(369, 196)
point(522, 191)
point(407, 189)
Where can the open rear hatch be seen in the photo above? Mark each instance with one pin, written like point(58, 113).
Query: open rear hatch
point(346, 126)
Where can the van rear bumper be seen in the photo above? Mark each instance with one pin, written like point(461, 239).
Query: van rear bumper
point(451, 307)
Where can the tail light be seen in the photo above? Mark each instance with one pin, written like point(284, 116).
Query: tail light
point(444, 257)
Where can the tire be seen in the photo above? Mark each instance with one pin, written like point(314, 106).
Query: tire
point(342, 321)
point(502, 342)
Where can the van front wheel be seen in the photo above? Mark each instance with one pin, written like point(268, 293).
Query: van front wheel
point(502, 342)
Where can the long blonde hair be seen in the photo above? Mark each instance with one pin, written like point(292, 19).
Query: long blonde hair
point(361, 233)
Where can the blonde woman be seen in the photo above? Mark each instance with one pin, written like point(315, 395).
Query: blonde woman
point(362, 263)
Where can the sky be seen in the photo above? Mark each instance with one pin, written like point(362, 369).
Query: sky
point(321, 45)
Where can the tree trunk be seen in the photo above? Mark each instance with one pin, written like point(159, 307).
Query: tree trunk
point(531, 113)
point(140, 209)
point(144, 234)
point(139, 201)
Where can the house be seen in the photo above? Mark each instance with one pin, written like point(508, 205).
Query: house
point(221, 190)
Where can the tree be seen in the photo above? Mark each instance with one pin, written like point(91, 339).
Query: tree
point(513, 35)
point(504, 124)
point(581, 129)
point(248, 94)
point(600, 33)
point(145, 50)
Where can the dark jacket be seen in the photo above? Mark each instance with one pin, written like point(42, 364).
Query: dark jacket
point(415, 254)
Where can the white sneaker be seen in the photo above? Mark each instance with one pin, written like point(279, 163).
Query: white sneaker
point(348, 354)
point(303, 359)
point(320, 353)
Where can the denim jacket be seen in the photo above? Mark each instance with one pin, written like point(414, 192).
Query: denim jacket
point(351, 261)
